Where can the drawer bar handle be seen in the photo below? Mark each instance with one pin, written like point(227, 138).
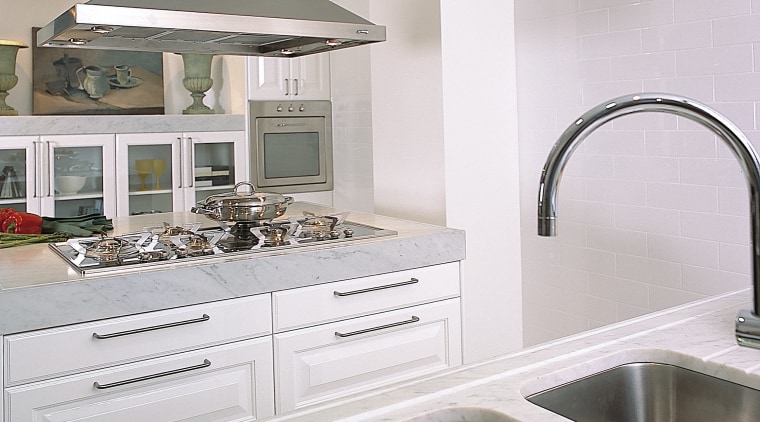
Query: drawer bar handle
point(151, 328)
point(382, 327)
point(206, 363)
point(373, 289)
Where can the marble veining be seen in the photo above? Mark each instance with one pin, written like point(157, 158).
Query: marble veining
point(39, 290)
point(697, 336)
point(69, 125)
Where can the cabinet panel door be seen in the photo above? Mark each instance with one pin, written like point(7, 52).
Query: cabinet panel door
point(58, 351)
point(268, 78)
point(310, 77)
point(19, 183)
point(216, 161)
point(329, 302)
point(316, 364)
point(223, 383)
point(149, 169)
point(77, 175)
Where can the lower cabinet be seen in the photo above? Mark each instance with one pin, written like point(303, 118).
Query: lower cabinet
point(241, 359)
point(332, 360)
point(232, 382)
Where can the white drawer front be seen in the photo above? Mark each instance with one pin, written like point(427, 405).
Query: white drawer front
point(229, 382)
point(328, 302)
point(53, 352)
point(316, 364)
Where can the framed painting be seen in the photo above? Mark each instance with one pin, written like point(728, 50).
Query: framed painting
point(71, 81)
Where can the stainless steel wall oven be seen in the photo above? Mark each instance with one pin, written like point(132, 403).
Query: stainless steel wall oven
point(291, 145)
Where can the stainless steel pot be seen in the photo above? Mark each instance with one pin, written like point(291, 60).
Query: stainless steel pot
point(243, 207)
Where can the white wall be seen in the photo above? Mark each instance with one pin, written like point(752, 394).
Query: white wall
point(445, 146)
point(226, 96)
point(653, 211)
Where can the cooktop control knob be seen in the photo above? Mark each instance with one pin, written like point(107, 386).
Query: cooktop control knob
point(334, 234)
point(348, 232)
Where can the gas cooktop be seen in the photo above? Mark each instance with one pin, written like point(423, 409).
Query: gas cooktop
point(154, 246)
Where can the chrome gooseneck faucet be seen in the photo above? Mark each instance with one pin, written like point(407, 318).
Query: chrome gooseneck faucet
point(748, 321)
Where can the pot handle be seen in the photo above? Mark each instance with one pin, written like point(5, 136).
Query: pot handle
point(203, 211)
point(249, 184)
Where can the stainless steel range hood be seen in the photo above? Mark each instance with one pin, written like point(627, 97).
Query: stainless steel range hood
point(275, 28)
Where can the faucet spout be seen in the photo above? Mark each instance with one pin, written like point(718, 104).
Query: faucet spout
point(747, 322)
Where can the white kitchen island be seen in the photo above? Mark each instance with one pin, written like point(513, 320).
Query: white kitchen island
point(205, 338)
point(697, 336)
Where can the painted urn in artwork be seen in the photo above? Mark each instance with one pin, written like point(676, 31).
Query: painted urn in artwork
point(8, 78)
point(197, 80)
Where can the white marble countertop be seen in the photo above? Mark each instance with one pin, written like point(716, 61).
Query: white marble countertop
point(38, 289)
point(697, 336)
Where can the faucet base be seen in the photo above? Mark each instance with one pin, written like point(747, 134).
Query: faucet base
point(748, 329)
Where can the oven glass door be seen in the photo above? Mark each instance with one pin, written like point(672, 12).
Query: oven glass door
point(290, 151)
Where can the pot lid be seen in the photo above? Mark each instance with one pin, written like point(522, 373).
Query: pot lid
point(242, 198)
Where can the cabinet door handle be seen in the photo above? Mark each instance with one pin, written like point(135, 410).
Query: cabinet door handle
point(51, 168)
point(373, 289)
point(191, 167)
point(381, 327)
point(203, 318)
point(206, 363)
point(295, 86)
point(287, 87)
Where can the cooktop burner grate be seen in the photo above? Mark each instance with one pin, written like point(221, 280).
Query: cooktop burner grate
point(154, 246)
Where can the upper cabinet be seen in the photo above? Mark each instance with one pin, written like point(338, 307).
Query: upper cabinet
point(301, 78)
point(61, 175)
point(165, 172)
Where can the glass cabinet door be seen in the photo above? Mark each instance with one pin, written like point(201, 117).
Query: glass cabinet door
point(17, 173)
point(217, 159)
point(148, 168)
point(78, 176)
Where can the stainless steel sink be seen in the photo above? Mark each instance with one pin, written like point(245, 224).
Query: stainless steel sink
point(463, 414)
point(651, 392)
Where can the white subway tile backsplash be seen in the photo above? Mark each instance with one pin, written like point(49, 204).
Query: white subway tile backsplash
point(721, 228)
point(647, 270)
point(679, 36)
point(616, 240)
point(681, 143)
point(597, 93)
point(650, 169)
point(738, 87)
point(708, 281)
point(677, 196)
point(586, 212)
point(735, 258)
point(593, 22)
point(701, 88)
point(611, 44)
point(627, 192)
point(683, 250)
point(647, 219)
point(736, 30)
point(663, 297)
point(691, 10)
point(715, 60)
point(641, 14)
point(733, 201)
point(591, 260)
point(653, 208)
point(619, 290)
point(711, 172)
point(616, 142)
point(644, 66)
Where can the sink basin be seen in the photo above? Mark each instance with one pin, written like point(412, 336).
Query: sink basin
point(651, 392)
point(460, 414)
